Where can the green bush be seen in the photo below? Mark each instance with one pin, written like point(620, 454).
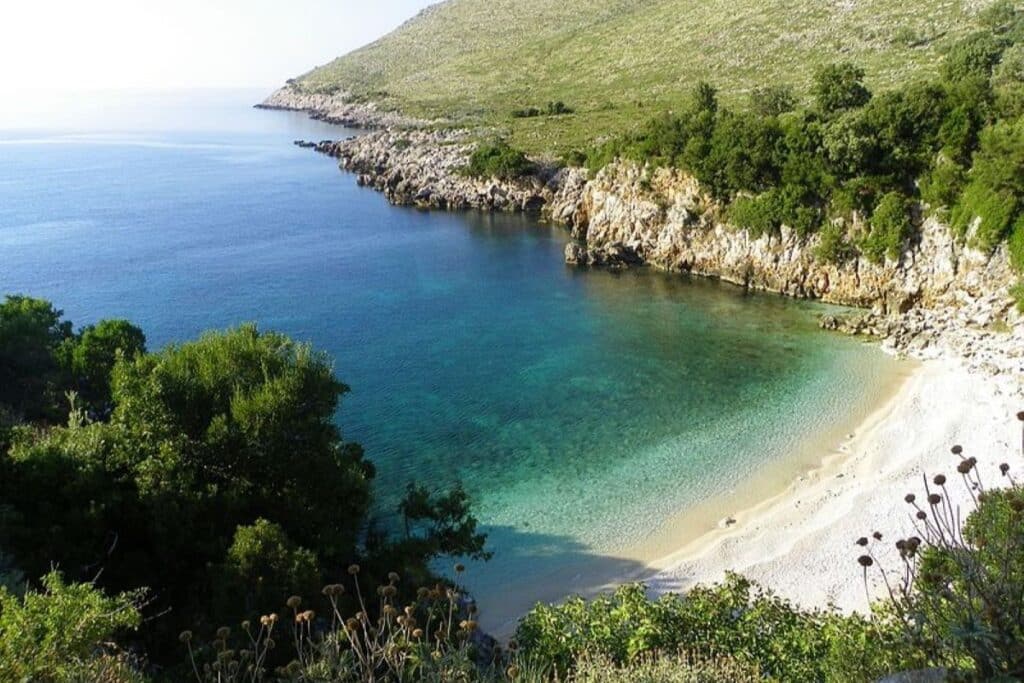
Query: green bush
point(840, 86)
point(891, 227)
point(972, 57)
point(759, 215)
point(61, 633)
point(499, 160)
point(834, 246)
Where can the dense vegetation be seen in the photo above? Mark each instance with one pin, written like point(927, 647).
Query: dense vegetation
point(616, 62)
point(855, 165)
point(211, 473)
point(179, 497)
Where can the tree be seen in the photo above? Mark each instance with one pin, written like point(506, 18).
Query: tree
point(773, 100)
point(974, 56)
point(840, 86)
point(89, 358)
point(31, 331)
point(60, 633)
point(890, 228)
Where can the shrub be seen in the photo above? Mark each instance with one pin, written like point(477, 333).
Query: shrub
point(891, 227)
point(758, 215)
point(773, 100)
point(960, 590)
point(682, 668)
point(499, 160)
point(31, 332)
point(972, 57)
point(834, 247)
point(1017, 293)
point(840, 86)
point(60, 633)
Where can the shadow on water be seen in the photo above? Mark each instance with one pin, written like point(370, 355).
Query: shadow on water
point(530, 568)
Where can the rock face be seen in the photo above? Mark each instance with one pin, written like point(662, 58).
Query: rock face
point(939, 297)
point(424, 168)
point(335, 108)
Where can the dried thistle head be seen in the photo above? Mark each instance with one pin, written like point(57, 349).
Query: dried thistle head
point(185, 636)
point(353, 569)
point(293, 602)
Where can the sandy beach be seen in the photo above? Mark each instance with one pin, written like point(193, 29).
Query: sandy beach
point(801, 543)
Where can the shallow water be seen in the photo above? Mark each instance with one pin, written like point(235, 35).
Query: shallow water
point(581, 409)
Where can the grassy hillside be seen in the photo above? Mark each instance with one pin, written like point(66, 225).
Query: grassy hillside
point(618, 61)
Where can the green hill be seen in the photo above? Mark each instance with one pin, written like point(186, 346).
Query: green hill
point(617, 61)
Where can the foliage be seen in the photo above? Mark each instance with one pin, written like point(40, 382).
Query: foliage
point(498, 160)
point(959, 591)
point(839, 86)
point(60, 633)
point(734, 618)
point(428, 638)
point(772, 100)
point(90, 357)
point(891, 226)
point(834, 247)
point(31, 331)
point(682, 668)
point(219, 478)
point(992, 200)
point(973, 57)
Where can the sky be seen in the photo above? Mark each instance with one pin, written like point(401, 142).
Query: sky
point(172, 44)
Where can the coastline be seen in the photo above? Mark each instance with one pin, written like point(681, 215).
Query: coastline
point(793, 529)
point(800, 544)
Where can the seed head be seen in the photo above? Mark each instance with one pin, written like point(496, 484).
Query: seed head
point(1020, 416)
point(940, 480)
point(513, 672)
point(223, 632)
point(865, 561)
point(185, 636)
point(417, 633)
point(393, 577)
point(922, 515)
point(294, 602)
point(459, 568)
point(934, 499)
point(353, 569)
point(389, 591)
point(910, 498)
point(877, 535)
point(246, 625)
point(1004, 469)
point(957, 450)
point(862, 541)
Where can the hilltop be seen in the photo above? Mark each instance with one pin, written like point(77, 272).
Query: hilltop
point(616, 62)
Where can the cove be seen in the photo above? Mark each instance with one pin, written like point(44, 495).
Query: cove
point(581, 409)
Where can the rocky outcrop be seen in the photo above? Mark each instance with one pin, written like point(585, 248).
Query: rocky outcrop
point(425, 169)
point(939, 297)
point(336, 108)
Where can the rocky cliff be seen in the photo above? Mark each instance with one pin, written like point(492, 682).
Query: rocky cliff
point(336, 108)
point(939, 297)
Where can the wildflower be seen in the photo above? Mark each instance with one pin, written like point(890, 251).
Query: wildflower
point(934, 499)
point(389, 591)
point(862, 541)
point(393, 577)
point(245, 625)
point(223, 632)
point(353, 569)
point(1004, 469)
point(185, 636)
point(417, 633)
point(957, 450)
point(964, 467)
point(922, 515)
point(294, 602)
point(940, 480)
point(459, 568)
point(877, 535)
point(910, 498)
point(865, 561)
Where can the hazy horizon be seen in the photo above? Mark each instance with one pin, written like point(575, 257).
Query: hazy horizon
point(69, 46)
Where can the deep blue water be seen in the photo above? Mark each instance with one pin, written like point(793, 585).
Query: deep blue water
point(581, 409)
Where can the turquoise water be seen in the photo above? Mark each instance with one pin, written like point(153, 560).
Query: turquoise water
point(580, 409)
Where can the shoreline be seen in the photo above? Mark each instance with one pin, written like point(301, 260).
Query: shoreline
point(695, 528)
point(793, 529)
point(800, 543)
